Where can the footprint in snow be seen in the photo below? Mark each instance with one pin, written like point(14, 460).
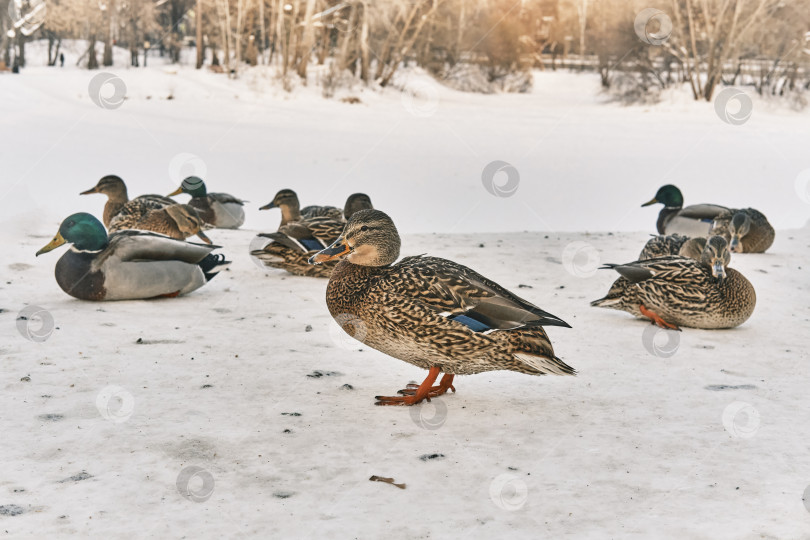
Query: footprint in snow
point(11, 510)
point(84, 475)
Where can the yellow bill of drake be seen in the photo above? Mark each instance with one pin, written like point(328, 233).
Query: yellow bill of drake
point(53, 244)
point(177, 191)
point(648, 203)
point(338, 249)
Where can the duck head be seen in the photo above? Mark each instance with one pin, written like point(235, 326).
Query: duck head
point(82, 230)
point(370, 238)
point(668, 195)
point(355, 203)
point(193, 185)
point(111, 185)
point(286, 198)
point(716, 256)
point(739, 227)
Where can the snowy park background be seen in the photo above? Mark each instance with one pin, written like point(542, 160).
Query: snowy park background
point(241, 410)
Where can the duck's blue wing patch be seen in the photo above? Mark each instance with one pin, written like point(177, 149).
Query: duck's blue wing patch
point(311, 244)
point(472, 324)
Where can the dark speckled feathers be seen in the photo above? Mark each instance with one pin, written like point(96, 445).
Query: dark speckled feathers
point(682, 291)
point(407, 311)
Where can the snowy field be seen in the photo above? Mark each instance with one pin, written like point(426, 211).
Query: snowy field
point(700, 434)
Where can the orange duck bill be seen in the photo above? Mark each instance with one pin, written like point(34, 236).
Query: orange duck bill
point(338, 249)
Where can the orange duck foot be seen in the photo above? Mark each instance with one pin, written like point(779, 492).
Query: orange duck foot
point(656, 319)
point(426, 390)
point(435, 391)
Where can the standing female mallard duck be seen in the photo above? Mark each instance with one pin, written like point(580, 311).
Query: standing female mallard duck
point(217, 210)
point(431, 312)
point(695, 220)
point(291, 246)
point(119, 208)
point(178, 221)
point(673, 244)
point(678, 291)
point(128, 265)
point(747, 230)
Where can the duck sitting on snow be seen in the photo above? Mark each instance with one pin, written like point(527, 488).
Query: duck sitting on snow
point(119, 209)
point(431, 312)
point(747, 230)
point(178, 221)
point(129, 264)
point(295, 241)
point(287, 201)
point(695, 220)
point(217, 210)
point(678, 291)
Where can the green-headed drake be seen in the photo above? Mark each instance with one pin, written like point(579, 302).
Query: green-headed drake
point(678, 291)
point(747, 230)
point(217, 210)
point(120, 211)
point(431, 312)
point(695, 220)
point(296, 241)
point(130, 264)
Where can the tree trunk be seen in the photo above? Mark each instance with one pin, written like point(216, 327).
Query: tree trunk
point(262, 31)
point(108, 46)
point(199, 35)
point(20, 50)
point(305, 48)
point(92, 60)
point(365, 59)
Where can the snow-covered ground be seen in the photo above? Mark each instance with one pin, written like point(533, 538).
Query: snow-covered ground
point(700, 434)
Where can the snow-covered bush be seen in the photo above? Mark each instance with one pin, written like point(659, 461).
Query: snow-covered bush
point(481, 79)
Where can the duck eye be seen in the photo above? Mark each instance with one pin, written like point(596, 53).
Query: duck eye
point(364, 228)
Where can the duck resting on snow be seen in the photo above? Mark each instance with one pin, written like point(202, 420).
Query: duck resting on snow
point(747, 230)
point(295, 241)
point(431, 312)
point(287, 201)
point(129, 264)
point(694, 220)
point(217, 210)
point(119, 209)
point(178, 221)
point(676, 291)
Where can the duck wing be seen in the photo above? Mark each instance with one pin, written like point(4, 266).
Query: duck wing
point(136, 245)
point(675, 269)
point(460, 293)
point(160, 199)
point(313, 211)
point(702, 212)
point(226, 198)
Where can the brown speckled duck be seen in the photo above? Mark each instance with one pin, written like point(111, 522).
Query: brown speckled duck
point(296, 241)
point(678, 291)
point(119, 207)
point(287, 201)
point(747, 230)
point(431, 312)
point(178, 221)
